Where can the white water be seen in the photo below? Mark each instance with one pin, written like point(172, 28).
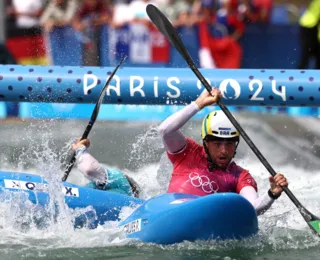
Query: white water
point(281, 227)
point(283, 214)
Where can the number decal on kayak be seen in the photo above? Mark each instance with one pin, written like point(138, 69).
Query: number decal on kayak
point(35, 186)
point(132, 227)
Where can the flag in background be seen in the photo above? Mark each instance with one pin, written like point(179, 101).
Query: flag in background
point(160, 46)
point(205, 56)
point(222, 52)
point(28, 49)
point(142, 44)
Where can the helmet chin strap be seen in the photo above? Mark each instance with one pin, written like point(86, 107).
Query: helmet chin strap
point(212, 164)
point(235, 150)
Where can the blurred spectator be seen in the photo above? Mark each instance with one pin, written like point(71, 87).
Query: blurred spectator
point(92, 13)
point(224, 49)
point(58, 13)
point(248, 11)
point(198, 6)
point(121, 13)
point(177, 11)
point(88, 21)
point(138, 12)
point(310, 35)
point(135, 35)
point(135, 12)
point(255, 11)
point(26, 12)
point(204, 10)
point(10, 18)
point(160, 2)
point(140, 47)
point(262, 10)
point(228, 15)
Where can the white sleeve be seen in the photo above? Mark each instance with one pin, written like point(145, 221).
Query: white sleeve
point(260, 203)
point(169, 129)
point(90, 167)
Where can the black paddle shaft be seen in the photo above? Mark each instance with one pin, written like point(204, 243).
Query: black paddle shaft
point(166, 28)
point(92, 119)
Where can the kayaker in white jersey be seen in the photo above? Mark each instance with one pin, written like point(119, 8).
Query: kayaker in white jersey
point(208, 168)
point(111, 180)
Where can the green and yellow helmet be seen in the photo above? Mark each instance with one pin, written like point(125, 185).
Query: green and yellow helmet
point(216, 124)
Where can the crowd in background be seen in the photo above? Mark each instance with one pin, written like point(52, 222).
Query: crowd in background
point(219, 48)
point(49, 13)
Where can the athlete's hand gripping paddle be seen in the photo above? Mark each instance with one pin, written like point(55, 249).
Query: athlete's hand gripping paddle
point(166, 28)
point(92, 120)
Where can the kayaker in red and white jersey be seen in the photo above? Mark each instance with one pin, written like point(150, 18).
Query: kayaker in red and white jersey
point(209, 168)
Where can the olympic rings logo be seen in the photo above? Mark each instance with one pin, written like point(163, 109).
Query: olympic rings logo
point(203, 182)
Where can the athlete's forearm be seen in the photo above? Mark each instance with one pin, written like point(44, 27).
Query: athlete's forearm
point(260, 203)
point(90, 167)
point(169, 129)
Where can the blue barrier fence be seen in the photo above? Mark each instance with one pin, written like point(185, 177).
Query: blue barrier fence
point(158, 86)
point(255, 90)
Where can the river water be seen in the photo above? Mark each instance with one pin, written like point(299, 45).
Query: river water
point(291, 145)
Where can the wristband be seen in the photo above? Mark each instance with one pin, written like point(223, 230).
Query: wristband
point(272, 195)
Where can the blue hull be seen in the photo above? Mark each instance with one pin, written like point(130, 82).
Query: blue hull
point(173, 218)
point(107, 205)
point(165, 219)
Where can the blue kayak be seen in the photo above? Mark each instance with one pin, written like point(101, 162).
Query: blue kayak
point(165, 219)
point(173, 218)
point(107, 205)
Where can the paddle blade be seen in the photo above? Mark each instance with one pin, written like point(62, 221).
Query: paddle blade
point(315, 226)
point(166, 28)
point(314, 223)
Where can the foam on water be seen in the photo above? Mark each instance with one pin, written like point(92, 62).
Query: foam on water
point(281, 227)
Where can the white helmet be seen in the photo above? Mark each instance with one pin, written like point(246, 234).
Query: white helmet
point(218, 125)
